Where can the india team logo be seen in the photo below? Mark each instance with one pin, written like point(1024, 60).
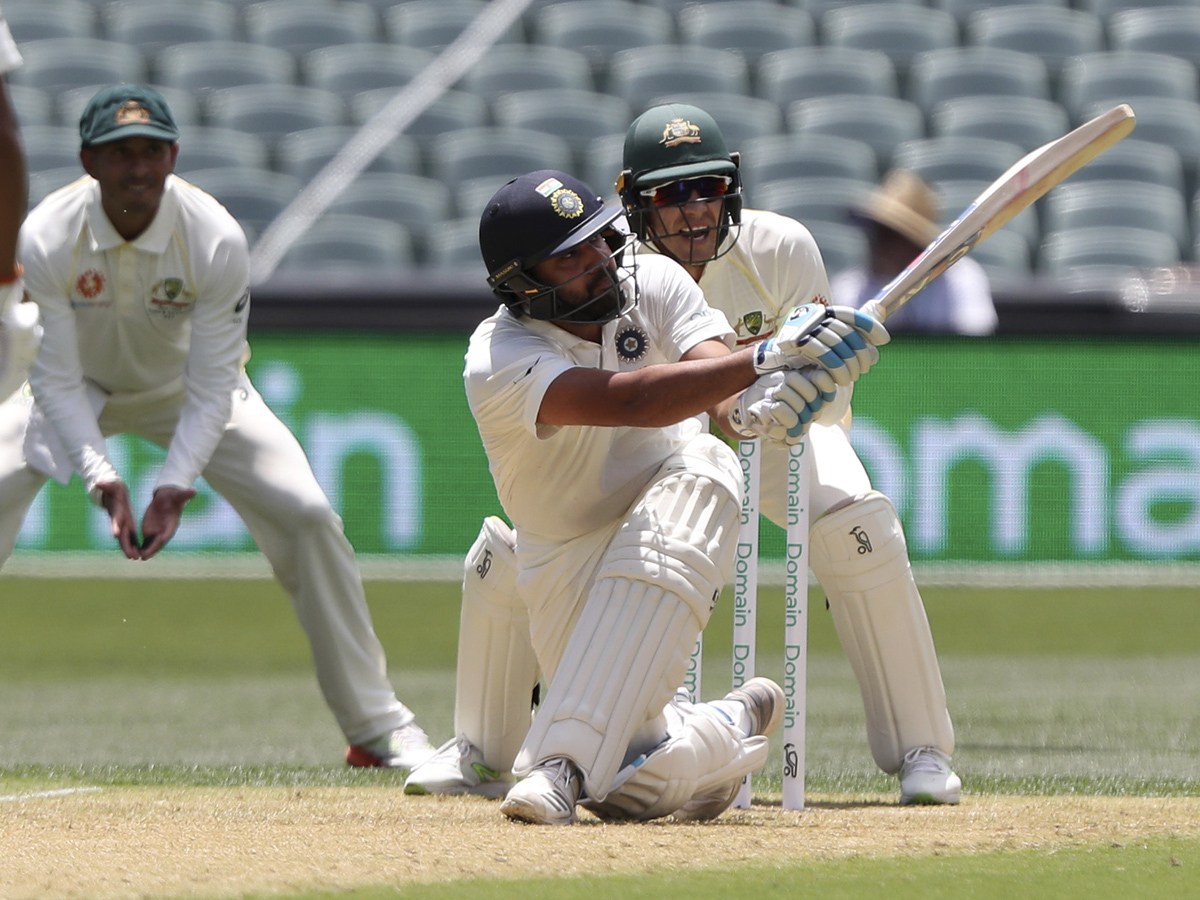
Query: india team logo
point(631, 344)
point(566, 203)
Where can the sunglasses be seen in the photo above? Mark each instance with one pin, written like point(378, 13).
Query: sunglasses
point(675, 193)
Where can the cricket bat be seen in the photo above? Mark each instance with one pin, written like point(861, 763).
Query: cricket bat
point(1027, 180)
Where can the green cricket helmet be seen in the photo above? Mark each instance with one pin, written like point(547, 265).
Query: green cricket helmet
point(674, 154)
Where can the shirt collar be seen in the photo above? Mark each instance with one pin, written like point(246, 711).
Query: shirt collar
point(104, 235)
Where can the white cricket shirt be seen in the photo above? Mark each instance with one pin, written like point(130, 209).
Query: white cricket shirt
point(557, 483)
point(162, 316)
point(10, 57)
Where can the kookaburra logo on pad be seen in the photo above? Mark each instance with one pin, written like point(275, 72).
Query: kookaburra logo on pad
point(864, 540)
point(485, 564)
point(680, 131)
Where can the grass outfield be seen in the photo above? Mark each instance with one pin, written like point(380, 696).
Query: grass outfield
point(204, 686)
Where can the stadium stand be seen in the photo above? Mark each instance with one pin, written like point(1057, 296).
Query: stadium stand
point(1174, 30)
point(36, 20)
point(640, 74)
point(957, 158)
point(151, 25)
point(881, 122)
point(348, 69)
point(299, 26)
point(786, 76)
point(210, 65)
point(1105, 250)
point(1052, 33)
point(304, 153)
point(1027, 122)
point(1109, 77)
point(954, 72)
point(782, 156)
point(354, 243)
point(1136, 204)
point(899, 30)
point(751, 27)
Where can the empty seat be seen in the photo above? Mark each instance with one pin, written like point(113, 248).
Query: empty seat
point(1134, 160)
point(210, 65)
point(340, 242)
point(253, 196)
point(578, 117)
point(1052, 33)
point(842, 246)
point(600, 28)
point(58, 64)
point(184, 107)
point(50, 147)
point(818, 8)
point(751, 27)
point(454, 244)
point(740, 118)
point(451, 111)
point(411, 200)
point(47, 181)
point(477, 152)
point(1136, 204)
point(1005, 254)
point(528, 67)
point(881, 122)
point(952, 72)
point(299, 26)
point(36, 20)
point(963, 9)
point(1112, 76)
point(471, 196)
point(1173, 30)
point(955, 196)
point(640, 74)
point(1161, 120)
point(602, 162)
point(433, 25)
point(33, 106)
point(1105, 8)
point(957, 158)
point(789, 75)
point(817, 199)
point(152, 25)
point(273, 110)
point(217, 148)
point(897, 29)
point(1027, 122)
point(1105, 250)
point(305, 153)
point(804, 156)
point(349, 69)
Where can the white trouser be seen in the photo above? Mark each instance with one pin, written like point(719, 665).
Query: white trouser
point(261, 469)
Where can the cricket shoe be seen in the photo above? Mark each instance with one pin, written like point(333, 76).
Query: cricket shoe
point(547, 795)
point(457, 768)
point(401, 748)
point(926, 778)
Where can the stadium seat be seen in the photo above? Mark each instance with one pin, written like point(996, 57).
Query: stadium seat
point(578, 117)
point(455, 245)
point(1027, 122)
point(58, 64)
point(413, 201)
point(953, 72)
point(956, 195)
point(341, 242)
point(528, 67)
point(786, 76)
point(963, 9)
point(897, 29)
point(750, 27)
point(1129, 203)
point(1112, 76)
point(1104, 9)
point(47, 181)
point(304, 153)
point(184, 107)
point(212, 65)
point(740, 118)
point(1135, 160)
point(299, 26)
point(50, 147)
point(1005, 254)
point(814, 199)
point(780, 156)
point(1161, 120)
point(477, 152)
point(957, 158)
point(273, 110)
point(1052, 33)
point(253, 196)
point(601, 164)
point(601, 28)
point(151, 25)
point(1105, 250)
point(1173, 30)
point(217, 148)
point(818, 8)
point(881, 122)
point(37, 20)
point(433, 25)
point(452, 110)
point(33, 106)
point(640, 74)
point(472, 196)
point(348, 69)
point(842, 246)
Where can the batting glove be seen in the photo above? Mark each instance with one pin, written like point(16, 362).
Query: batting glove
point(781, 405)
point(840, 339)
point(20, 336)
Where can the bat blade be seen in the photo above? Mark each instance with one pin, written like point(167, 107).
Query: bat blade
point(1027, 180)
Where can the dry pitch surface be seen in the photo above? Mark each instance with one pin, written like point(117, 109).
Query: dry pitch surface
point(226, 842)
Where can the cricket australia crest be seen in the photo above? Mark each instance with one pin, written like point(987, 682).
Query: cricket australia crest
point(680, 131)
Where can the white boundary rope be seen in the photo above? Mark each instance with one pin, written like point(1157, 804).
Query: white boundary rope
point(383, 128)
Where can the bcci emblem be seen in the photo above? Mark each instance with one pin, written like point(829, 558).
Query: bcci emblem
point(680, 131)
point(753, 321)
point(566, 203)
point(631, 344)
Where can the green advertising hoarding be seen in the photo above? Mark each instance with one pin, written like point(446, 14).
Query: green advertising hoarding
point(993, 450)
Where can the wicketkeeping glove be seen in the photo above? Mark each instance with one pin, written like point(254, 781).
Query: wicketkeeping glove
point(20, 335)
point(781, 405)
point(840, 339)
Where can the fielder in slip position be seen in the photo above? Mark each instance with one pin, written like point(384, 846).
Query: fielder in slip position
point(142, 283)
point(586, 386)
point(682, 193)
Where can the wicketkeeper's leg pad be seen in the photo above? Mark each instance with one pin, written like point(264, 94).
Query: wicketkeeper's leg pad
point(497, 668)
point(629, 650)
point(860, 557)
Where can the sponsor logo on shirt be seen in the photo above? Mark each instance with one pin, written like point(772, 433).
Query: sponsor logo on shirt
point(88, 288)
point(169, 299)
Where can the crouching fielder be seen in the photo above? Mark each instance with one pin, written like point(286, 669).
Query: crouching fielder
point(585, 386)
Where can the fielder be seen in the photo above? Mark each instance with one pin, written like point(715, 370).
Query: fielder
point(682, 194)
point(586, 386)
point(142, 283)
point(20, 331)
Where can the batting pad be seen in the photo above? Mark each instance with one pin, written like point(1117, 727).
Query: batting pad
point(497, 668)
point(860, 557)
point(629, 650)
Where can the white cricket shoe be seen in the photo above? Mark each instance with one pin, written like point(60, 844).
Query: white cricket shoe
point(401, 748)
point(457, 768)
point(926, 777)
point(547, 795)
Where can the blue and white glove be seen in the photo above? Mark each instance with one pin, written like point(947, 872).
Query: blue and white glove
point(840, 339)
point(20, 335)
point(781, 405)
